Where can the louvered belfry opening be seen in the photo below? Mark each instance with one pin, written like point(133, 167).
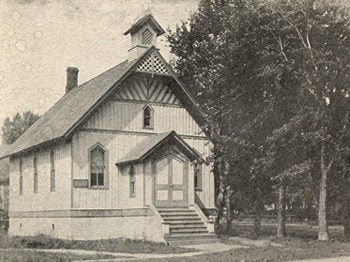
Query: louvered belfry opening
point(144, 33)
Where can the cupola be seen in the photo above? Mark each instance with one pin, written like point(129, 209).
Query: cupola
point(144, 33)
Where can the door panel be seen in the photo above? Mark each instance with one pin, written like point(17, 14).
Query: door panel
point(177, 172)
point(171, 176)
point(162, 169)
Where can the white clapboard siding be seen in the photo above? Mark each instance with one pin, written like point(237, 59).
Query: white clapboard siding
point(117, 193)
point(128, 116)
point(30, 201)
point(207, 194)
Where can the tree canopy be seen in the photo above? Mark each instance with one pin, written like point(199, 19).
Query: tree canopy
point(272, 78)
point(13, 128)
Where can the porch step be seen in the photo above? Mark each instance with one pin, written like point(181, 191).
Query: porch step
point(189, 230)
point(184, 218)
point(185, 227)
point(185, 222)
point(178, 213)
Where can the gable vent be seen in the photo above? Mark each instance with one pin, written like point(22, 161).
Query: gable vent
point(152, 64)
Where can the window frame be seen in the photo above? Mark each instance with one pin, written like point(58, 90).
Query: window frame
point(132, 181)
point(35, 173)
point(20, 175)
point(52, 170)
point(105, 170)
point(198, 176)
point(151, 116)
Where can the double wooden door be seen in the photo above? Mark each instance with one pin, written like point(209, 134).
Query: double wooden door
point(171, 181)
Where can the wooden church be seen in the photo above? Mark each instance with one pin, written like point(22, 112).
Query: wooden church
point(120, 156)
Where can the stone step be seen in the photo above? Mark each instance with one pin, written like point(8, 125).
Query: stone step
point(188, 230)
point(173, 209)
point(188, 225)
point(185, 222)
point(168, 214)
point(184, 218)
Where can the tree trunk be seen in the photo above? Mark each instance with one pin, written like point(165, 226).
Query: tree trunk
point(346, 210)
point(281, 217)
point(228, 194)
point(322, 207)
point(259, 207)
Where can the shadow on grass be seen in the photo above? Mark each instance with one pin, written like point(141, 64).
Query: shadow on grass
point(108, 245)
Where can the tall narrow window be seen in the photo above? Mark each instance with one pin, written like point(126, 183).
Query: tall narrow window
point(148, 117)
point(35, 167)
point(97, 167)
point(52, 173)
point(198, 176)
point(20, 176)
point(132, 181)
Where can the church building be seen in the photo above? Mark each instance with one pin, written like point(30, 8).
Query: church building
point(122, 155)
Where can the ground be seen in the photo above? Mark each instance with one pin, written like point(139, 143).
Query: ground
point(300, 244)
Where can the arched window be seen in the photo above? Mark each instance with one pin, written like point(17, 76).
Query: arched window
point(147, 37)
point(148, 117)
point(97, 167)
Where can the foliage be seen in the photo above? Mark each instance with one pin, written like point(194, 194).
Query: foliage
point(272, 79)
point(15, 127)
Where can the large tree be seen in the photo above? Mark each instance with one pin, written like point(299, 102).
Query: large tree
point(268, 71)
point(15, 127)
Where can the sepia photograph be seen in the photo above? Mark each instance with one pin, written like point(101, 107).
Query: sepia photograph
point(175, 130)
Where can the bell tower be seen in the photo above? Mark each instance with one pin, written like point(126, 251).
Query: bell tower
point(144, 33)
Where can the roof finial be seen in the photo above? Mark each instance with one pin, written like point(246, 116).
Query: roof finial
point(148, 11)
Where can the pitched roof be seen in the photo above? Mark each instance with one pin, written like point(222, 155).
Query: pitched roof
point(62, 117)
point(68, 113)
point(143, 20)
point(144, 148)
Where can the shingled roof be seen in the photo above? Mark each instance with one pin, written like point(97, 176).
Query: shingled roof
point(145, 148)
point(147, 18)
point(62, 117)
point(68, 112)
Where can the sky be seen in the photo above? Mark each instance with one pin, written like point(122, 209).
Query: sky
point(39, 39)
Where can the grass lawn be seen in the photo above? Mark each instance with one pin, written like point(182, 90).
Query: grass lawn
point(110, 245)
point(301, 243)
point(36, 256)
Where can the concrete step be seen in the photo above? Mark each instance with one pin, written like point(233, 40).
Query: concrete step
point(188, 230)
point(189, 225)
point(168, 214)
point(186, 218)
point(173, 209)
point(185, 222)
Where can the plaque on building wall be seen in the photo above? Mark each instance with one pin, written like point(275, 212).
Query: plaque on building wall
point(81, 183)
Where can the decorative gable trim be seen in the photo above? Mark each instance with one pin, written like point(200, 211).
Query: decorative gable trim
point(152, 63)
point(143, 88)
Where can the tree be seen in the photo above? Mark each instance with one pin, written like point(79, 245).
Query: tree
point(260, 69)
point(13, 129)
point(239, 76)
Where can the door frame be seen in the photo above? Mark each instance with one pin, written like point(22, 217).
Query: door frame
point(171, 154)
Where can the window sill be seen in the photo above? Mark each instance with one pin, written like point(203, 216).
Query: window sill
point(98, 187)
point(198, 189)
point(148, 128)
point(132, 196)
